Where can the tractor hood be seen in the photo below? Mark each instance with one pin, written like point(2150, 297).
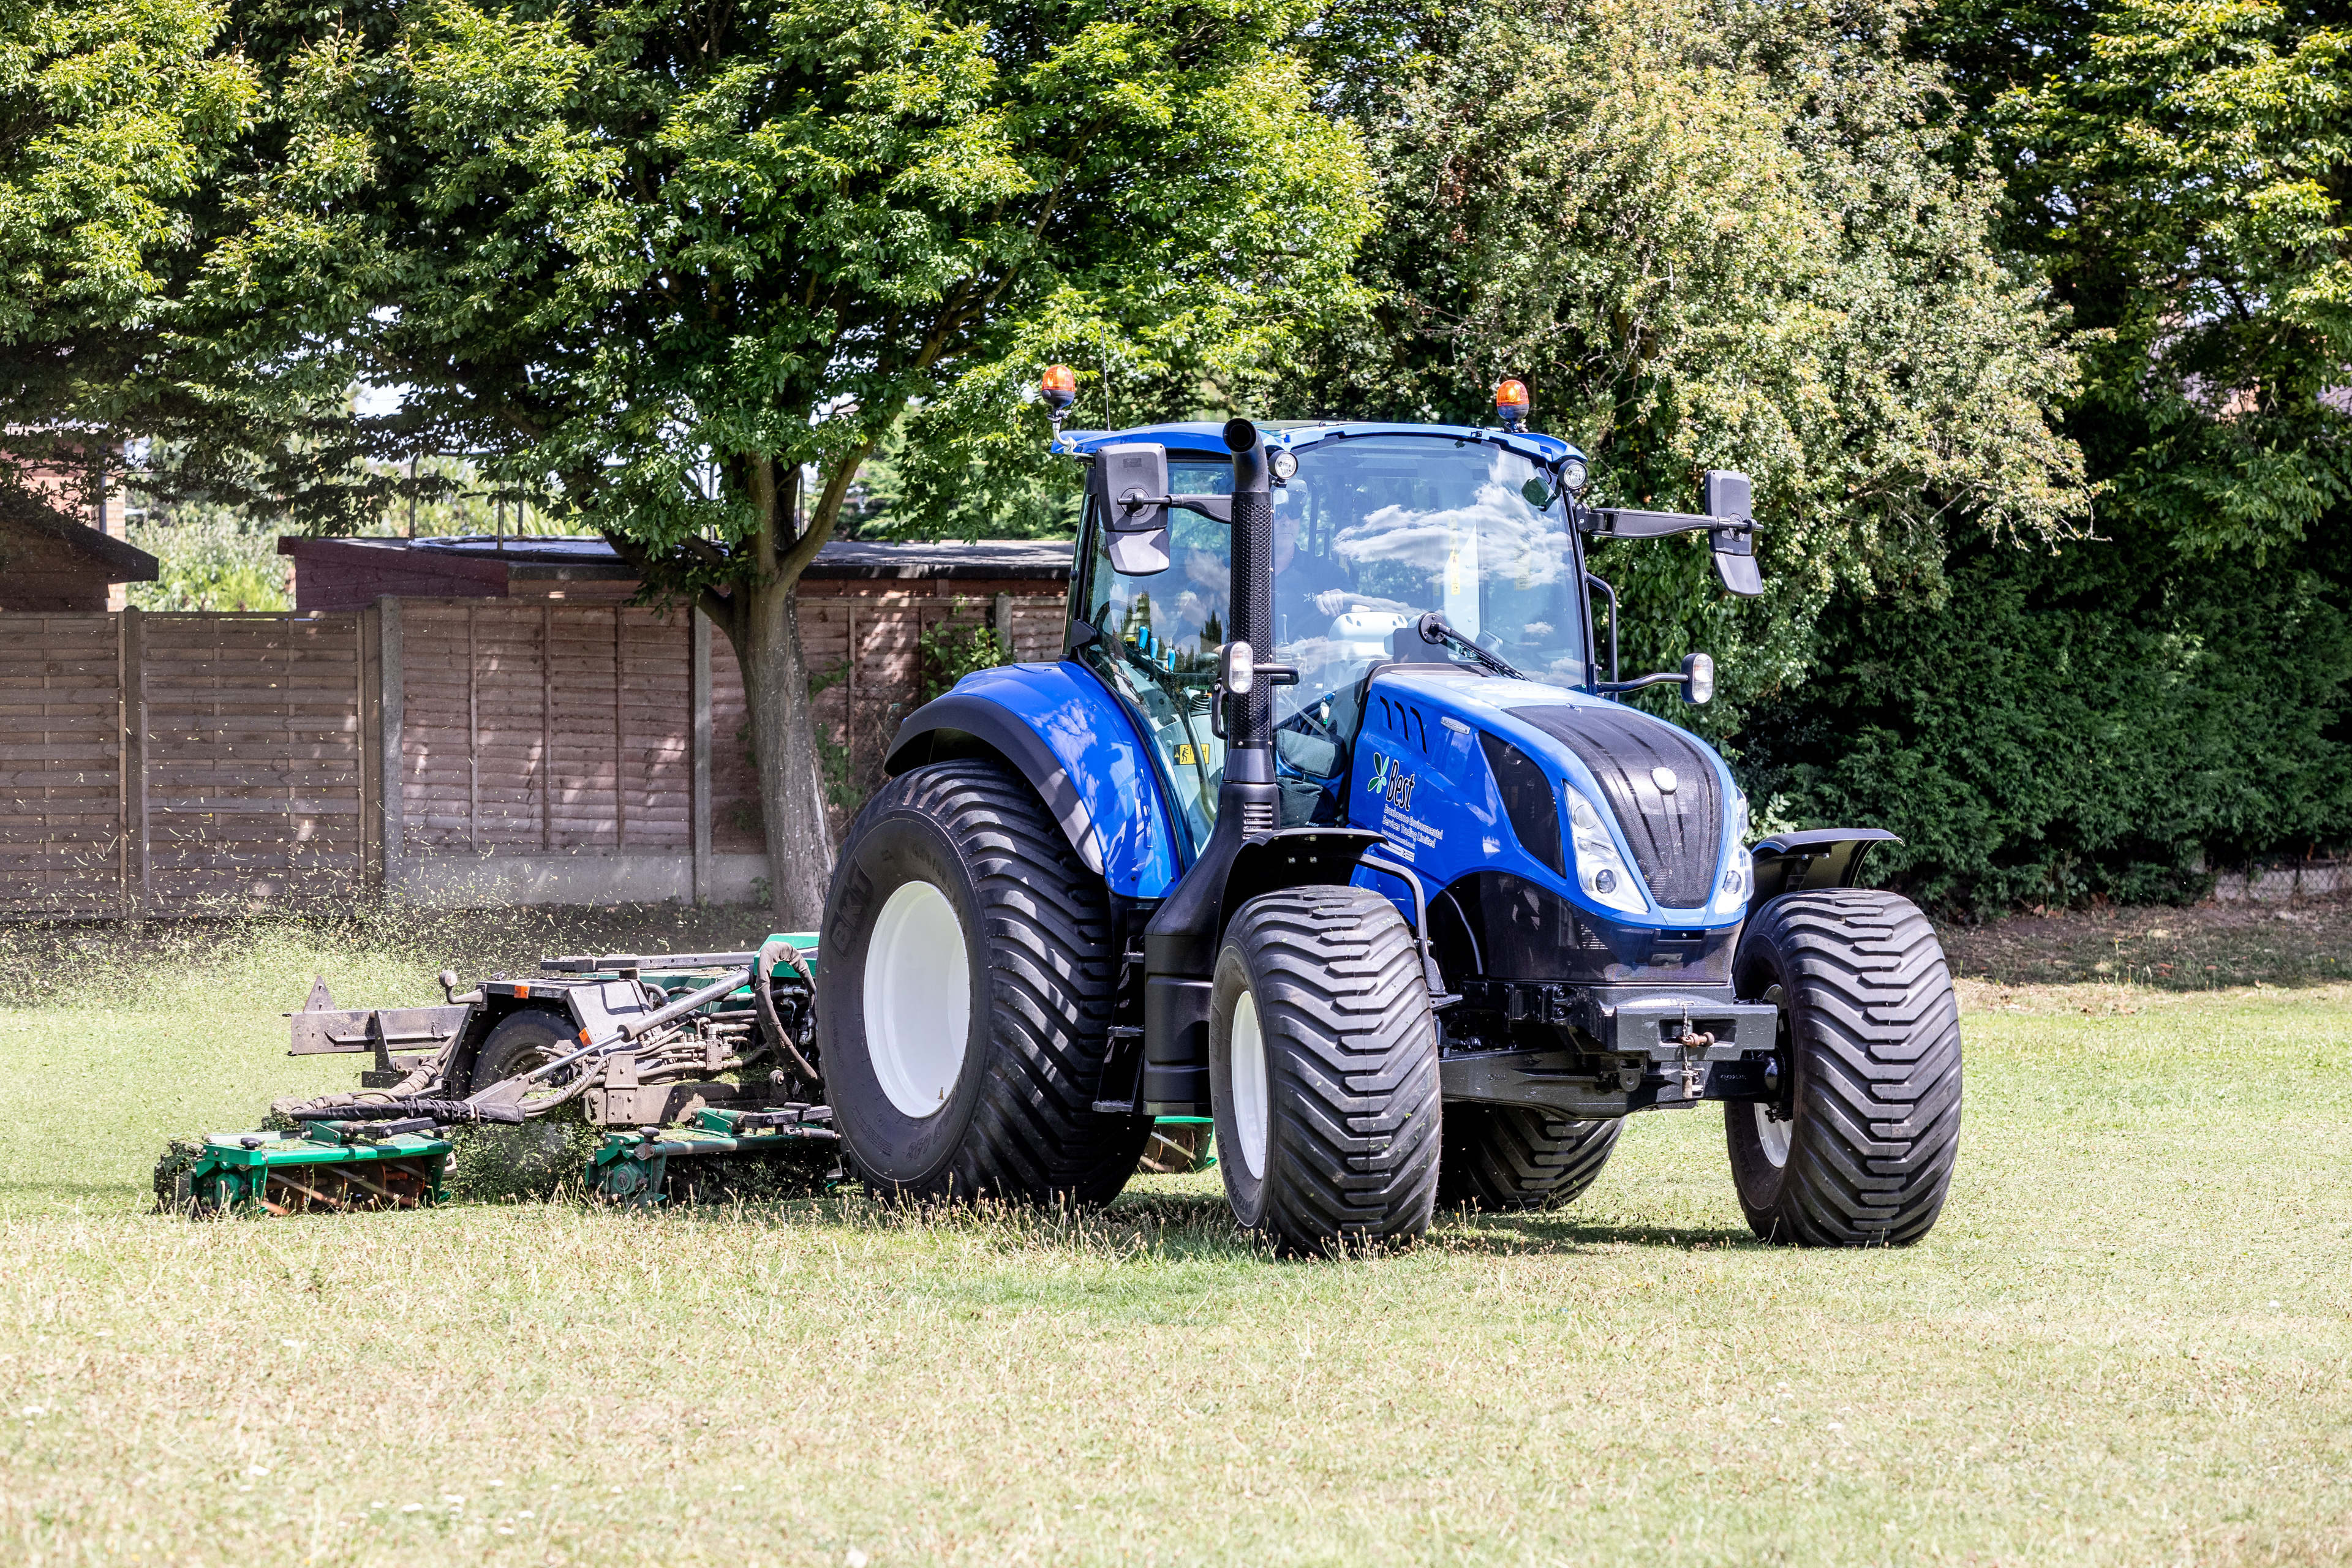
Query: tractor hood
point(1569, 836)
point(1659, 783)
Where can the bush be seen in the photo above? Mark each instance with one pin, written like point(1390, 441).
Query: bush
point(2109, 721)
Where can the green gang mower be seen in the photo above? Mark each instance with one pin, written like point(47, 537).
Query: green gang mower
point(694, 1066)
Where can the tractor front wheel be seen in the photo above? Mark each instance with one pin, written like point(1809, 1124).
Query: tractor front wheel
point(1857, 1148)
point(1323, 1071)
point(964, 999)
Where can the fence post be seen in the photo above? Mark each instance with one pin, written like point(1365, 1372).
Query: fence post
point(546, 725)
point(139, 876)
point(391, 705)
point(620, 735)
point(699, 702)
point(371, 749)
point(1001, 624)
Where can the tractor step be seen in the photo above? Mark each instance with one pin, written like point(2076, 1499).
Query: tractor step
point(652, 1164)
point(333, 1167)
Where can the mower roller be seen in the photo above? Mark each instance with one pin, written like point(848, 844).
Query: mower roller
point(333, 1167)
point(635, 1167)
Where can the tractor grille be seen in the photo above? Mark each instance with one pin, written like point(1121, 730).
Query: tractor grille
point(1674, 837)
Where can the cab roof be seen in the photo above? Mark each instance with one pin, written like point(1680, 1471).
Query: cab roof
point(1208, 436)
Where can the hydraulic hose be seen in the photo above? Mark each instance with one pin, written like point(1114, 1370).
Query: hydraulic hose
point(763, 1000)
point(445, 1111)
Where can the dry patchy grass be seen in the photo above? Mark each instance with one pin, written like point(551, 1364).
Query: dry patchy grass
point(2200, 947)
point(2130, 1340)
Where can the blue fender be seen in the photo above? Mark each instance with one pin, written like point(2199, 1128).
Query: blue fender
point(1059, 729)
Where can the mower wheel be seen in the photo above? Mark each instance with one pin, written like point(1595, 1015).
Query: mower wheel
point(1323, 1071)
point(1858, 1151)
point(964, 1001)
point(1500, 1157)
point(520, 1042)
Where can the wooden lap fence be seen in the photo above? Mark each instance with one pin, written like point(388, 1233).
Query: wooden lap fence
point(163, 764)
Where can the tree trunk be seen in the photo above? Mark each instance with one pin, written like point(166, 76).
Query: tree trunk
point(759, 612)
point(783, 741)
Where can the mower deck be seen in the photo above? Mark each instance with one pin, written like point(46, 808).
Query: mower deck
point(336, 1167)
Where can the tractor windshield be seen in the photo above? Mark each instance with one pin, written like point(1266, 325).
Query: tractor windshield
point(1370, 533)
point(1374, 531)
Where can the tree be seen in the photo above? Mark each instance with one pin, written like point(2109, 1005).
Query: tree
point(2184, 169)
point(112, 114)
point(2175, 696)
point(678, 267)
point(1708, 235)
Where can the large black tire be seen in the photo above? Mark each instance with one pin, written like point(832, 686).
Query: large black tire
point(1858, 1150)
point(993, 980)
point(1344, 1147)
point(522, 1041)
point(1502, 1157)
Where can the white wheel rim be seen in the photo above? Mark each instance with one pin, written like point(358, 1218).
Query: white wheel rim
point(1772, 1134)
point(1249, 1095)
point(918, 999)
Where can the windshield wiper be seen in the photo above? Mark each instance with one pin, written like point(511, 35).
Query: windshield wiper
point(1434, 629)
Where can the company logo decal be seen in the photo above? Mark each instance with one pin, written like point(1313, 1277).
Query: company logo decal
point(1389, 778)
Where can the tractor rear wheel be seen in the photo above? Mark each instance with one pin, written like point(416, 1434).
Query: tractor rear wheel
point(1501, 1157)
point(964, 999)
point(1857, 1150)
point(1323, 1071)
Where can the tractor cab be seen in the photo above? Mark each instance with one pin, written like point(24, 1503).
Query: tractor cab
point(1372, 527)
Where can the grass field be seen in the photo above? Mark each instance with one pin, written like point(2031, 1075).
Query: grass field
point(2129, 1341)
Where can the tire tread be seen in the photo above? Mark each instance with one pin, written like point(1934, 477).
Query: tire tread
point(1343, 992)
point(1044, 922)
point(1880, 1083)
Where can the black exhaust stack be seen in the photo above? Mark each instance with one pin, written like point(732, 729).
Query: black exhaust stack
point(1180, 944)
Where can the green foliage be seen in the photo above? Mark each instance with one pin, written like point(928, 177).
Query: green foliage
point(2183, 169)
point(2177, 694)
point(949, 650)
point(655, 263)
point(2109, 721)
point(947, 493)
point(1711, 235)
point(113, 114)
point(209, 558)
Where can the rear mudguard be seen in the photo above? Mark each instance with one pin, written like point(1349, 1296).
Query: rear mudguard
point(1055, 726)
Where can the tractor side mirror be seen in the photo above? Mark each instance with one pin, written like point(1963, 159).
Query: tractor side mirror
point(1727, 497)
point(1698, 678)
point(1131, 485)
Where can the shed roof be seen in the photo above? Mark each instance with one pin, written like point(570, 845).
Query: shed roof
point(589, 558)
point(52, 561)
point(23, 516)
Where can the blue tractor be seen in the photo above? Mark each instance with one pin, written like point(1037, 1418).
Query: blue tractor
point(1329, 825)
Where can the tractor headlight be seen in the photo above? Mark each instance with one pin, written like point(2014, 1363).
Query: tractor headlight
point(1572, 475)
point(1600, 869)
point(1731, 893)
point(1739, 823)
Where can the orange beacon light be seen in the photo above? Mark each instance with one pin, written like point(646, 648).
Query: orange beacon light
point(1511, 402)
